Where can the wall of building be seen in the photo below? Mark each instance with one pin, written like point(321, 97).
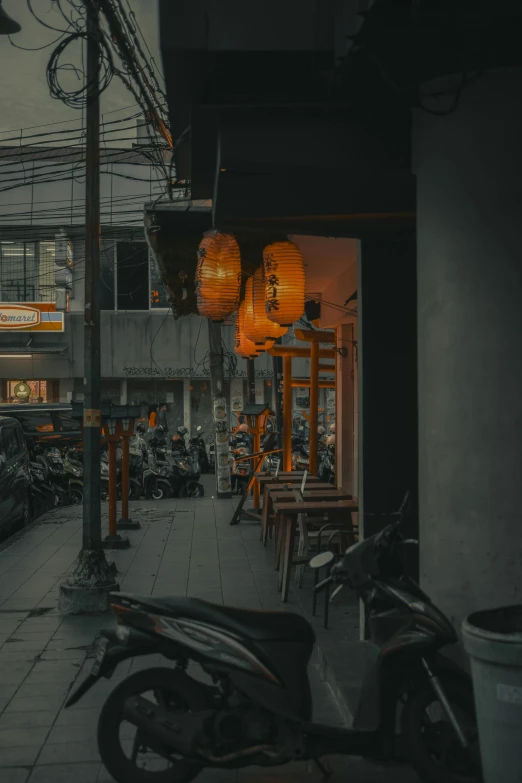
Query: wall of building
point(470, 346)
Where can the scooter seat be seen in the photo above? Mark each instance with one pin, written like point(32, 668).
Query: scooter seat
point(253, 624)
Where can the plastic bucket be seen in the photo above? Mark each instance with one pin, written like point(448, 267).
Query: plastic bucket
point(493, 640)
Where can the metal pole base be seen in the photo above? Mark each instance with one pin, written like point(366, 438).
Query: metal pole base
point(115, 542)
point(128, 524)
point(87, 589)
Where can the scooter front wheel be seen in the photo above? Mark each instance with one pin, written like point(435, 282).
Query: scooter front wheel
point(160, 491)
point(193, 490)
point(430, 740)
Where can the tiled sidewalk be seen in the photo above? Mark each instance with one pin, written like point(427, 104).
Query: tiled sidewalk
point(184, 548)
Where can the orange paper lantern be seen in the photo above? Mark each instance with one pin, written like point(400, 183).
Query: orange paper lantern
point(218, 275)
point(259, 328)
point(261, 342)
point(242, 345)
point(284, 283)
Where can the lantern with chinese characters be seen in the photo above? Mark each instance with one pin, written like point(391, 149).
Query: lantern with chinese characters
point(218, 275)
point(259, 328)
point(260, 341)
point(284, 283)
point(242, 345)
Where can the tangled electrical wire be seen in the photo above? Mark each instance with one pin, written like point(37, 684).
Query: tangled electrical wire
point(77, 99)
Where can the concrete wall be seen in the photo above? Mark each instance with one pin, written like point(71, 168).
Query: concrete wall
point(134, 345)
point(470, 346)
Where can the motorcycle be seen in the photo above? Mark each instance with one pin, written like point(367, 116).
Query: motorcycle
point(326, 470)
point(186, 473)
point(51, 462)
point(74, 470)
point(241, 469)
point(258, 709)
point(156, 483)
point(197, 444)
point(42, 494)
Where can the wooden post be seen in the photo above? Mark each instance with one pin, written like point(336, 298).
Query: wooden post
point(124, 477)
point(287, 412)
point(314, 405)
point(113, 489)
point(256, 446)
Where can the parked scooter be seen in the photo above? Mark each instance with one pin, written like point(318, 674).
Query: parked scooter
point(54, 472)
point(258, 710)
point(326, 471)
point(197, 443)
point(156, 483)
point(42, 493)
point(240, 446)
point(74, 470)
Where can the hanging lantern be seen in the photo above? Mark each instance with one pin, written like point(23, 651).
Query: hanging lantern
point(261, 342)
point(284, 283)
point(259, 328)
point(242, 345)
point(218, 275)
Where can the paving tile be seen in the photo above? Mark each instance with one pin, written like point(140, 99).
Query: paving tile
point(14, 774)
point(27, 720)
point(47, 689)
point(69, 753)
point(20, 737)
point(78, 717)
point(19, 756)
point(84, 732)
point(66, 773)
point(50, 703)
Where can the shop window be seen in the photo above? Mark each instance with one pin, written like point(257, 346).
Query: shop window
point(132, 263)
point(159, 298)
point(27, 271)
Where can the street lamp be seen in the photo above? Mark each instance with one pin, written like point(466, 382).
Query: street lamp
point(8, 26)
point(110, 426)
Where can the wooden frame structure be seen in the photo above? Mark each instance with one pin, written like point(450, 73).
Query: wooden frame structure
point(314, 353)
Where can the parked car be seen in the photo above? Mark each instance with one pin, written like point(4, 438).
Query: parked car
point(15, 480)
point(45, 422)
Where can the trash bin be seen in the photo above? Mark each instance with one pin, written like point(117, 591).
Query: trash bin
point(493, 640)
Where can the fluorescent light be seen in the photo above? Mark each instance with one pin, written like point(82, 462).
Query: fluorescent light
point(16, 355)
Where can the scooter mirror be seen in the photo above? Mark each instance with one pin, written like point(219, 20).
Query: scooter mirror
point(322, 560)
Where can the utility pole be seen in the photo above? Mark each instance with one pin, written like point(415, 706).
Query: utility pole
point(251, 381)
point(92, 579)
point(219, 411)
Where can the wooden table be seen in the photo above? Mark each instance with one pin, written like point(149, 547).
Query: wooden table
point(268, 490)
point(288, 513)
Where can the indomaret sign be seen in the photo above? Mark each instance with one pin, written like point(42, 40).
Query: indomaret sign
point(30, 317)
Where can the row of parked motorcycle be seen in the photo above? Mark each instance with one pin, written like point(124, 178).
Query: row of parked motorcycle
point(241, 447)
point(161, 468)
point(157, 469)
point(325, 451)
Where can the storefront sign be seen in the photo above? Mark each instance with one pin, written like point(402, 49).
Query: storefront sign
point(18, 316)
point(22, 390)
point(30, 317)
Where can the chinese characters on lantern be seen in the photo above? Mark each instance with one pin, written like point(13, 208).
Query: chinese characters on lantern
point(272, 283)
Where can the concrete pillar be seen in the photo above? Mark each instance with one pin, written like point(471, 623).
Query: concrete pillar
point(123, 391)
point(387, 378)
point(468, 167)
